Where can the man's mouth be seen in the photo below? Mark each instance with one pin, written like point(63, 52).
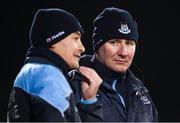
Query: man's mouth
point(119, 61)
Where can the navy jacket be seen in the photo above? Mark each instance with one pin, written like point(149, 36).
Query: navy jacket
point(122, 97)
point(41, 91)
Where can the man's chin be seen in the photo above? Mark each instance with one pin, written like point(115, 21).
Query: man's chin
point(74, 66)
point(122, 70)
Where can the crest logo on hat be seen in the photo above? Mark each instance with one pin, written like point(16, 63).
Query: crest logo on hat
point(124, 29)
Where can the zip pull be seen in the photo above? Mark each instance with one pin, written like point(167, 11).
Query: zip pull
point(121, 98)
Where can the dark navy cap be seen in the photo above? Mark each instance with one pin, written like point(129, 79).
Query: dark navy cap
point(113, 23)
point(52, 25)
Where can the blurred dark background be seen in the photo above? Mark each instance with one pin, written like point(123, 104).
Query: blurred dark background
point(158, 53)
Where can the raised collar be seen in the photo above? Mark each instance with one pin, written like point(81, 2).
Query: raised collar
point(50, 56)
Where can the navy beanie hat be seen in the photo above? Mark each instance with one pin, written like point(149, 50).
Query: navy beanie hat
point(113, 23)
point(52, 25)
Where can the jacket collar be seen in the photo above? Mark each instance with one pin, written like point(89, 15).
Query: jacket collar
point(48, 56)
point(132, 82)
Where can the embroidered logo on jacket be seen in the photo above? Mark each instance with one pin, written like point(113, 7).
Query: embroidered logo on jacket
point(143, 98)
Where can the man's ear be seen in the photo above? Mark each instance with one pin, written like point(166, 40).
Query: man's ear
point(51, 47)
point(97, 54)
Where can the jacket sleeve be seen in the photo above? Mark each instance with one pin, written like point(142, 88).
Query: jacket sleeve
point(155, 113)
point(18, 107)
point(87, 112)
point(154, 110)
point(45, 98)
point(90, 112)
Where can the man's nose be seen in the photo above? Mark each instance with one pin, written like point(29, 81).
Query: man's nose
point(122, 50)
point(81, 47)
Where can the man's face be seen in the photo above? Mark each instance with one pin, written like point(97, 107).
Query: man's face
point(70, 49)
point(117, 54)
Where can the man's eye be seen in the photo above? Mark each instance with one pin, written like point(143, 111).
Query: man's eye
point(76, 38)
point(114, 42)
point(130, 43)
